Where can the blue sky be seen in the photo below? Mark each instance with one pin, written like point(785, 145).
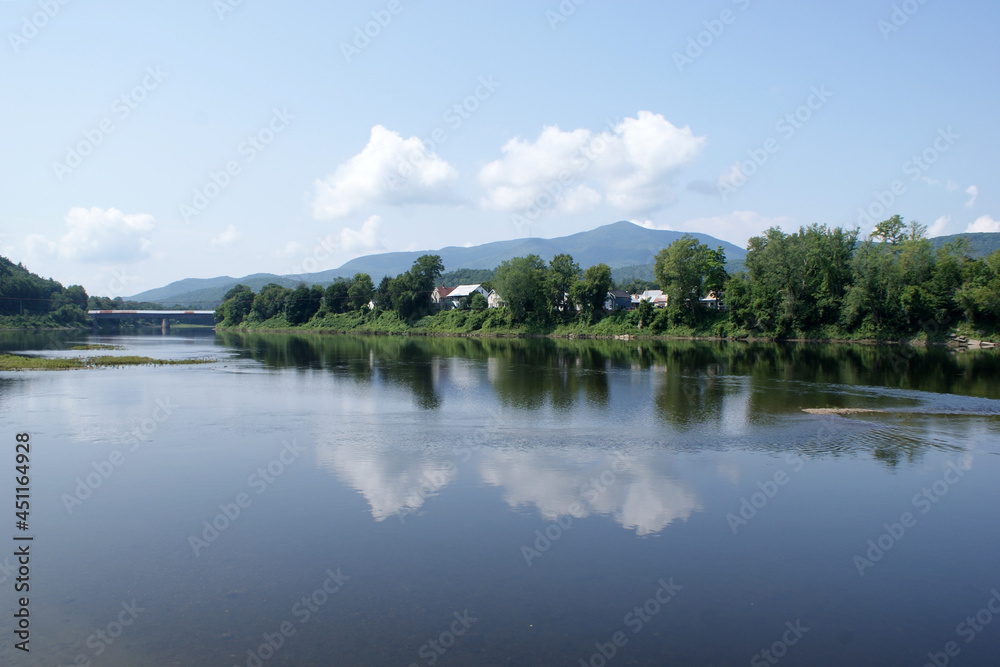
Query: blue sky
point(149, 142)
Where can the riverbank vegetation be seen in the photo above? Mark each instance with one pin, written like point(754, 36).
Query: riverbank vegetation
point(28, 301)
point(18, 362)
point(816, 283)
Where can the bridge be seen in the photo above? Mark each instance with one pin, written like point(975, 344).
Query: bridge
point(165, 316)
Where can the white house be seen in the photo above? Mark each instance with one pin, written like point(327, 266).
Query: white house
point(454, 298)
point(439, 296)
point(494, 300)
point(654, 296)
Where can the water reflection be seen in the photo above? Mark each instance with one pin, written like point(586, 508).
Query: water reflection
point(640, 494)
point(394, 481)
point(563, 371)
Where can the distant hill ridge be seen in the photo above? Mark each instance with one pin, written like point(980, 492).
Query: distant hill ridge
point(619, 245)
point(629, 249)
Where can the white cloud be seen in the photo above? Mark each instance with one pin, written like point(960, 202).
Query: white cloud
point(984, 223)
point(642, 497)
point(951, 186)
point(229, 236)
point(973, 193)
point(351, 241)
point(939, 226)
point(345, 244)
point(389, 171)
point(731, 179)
point(633, 167)
point(290, 249)
point(392, 480)
point(97, 235)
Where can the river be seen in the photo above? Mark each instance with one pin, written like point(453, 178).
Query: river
point(338, 500)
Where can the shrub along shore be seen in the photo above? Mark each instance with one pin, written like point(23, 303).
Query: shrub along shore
point(619, 325)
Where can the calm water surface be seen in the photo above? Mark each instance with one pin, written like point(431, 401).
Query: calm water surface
point(390, 501)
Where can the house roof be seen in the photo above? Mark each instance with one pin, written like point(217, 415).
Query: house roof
point(462, 290)
point(651, 294)
point(444, 291)
point(620, 294)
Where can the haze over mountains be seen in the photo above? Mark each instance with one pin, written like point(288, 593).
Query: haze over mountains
point(625, 246)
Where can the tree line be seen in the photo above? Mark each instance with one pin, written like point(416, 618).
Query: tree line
point(31, 297)
point(816, 281)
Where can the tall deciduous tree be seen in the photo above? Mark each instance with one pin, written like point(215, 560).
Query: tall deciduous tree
point(591, 291)
point(521, 282)
point(361, 290)
point(563, 273)
point(681, 268)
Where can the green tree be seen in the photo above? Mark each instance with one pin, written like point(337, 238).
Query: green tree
point(645, 313)
point(383, 295)
point(979, 295)
point(269, 302)
point(562, 275)
point(638, 286)
point(361, 290)
point(410, 292)
point(302, 303)
point(521, 282)
point(591, 291)
point(715, 272)
point(891, 231)
point(795, 281)
point(681, 269)
point(478, 302)
point(235, 306)
point(336, 297)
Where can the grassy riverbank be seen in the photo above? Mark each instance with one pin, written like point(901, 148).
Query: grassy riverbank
point(715, 326)
point(17, 362)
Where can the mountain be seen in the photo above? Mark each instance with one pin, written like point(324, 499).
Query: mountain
point(208, 292)
point(619, 245)
point(980, 244)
